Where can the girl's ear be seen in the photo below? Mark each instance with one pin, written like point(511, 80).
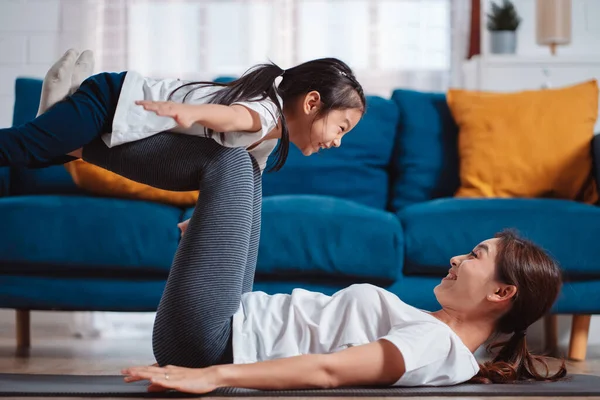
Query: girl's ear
point(312, 102)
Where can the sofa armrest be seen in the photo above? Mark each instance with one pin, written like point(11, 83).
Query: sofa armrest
point(4, 181)
point(596, 158)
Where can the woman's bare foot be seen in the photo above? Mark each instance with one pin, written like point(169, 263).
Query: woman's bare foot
point(183, 226)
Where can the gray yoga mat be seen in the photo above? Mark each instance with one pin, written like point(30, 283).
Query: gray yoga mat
point(24, 385)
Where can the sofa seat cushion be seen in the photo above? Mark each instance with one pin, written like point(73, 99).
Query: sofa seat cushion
point(86, 236)
point(322, 236)
point(437, 230)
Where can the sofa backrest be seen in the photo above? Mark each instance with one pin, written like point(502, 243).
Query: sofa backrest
point(425, 163)
point(358, 170)
point(404, 151)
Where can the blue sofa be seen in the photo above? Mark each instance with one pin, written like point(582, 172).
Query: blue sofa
point(379, 210)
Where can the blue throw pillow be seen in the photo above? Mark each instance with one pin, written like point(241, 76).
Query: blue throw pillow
point(358, 170)
point(425, 163)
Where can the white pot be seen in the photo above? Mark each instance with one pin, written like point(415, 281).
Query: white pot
point(503, 42)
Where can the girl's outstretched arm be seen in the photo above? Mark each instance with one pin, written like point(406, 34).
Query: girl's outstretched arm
point(219, 118)
point(374, 364)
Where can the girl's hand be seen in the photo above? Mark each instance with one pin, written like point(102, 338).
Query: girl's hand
point(189, 380)
point(183, 114)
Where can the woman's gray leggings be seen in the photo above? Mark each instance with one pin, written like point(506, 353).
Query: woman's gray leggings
point(216, 259)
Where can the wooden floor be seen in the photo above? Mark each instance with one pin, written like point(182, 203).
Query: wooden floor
point(67, 355)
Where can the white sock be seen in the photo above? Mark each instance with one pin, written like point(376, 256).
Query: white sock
point(84, 66)
point(58, 81)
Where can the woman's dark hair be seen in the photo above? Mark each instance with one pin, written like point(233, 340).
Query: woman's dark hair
point(332, 78)
point(538, 280)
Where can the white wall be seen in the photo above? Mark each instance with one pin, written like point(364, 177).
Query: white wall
point(33, 34)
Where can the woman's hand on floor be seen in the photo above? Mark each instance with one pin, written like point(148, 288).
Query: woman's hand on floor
point(188, 380)
point(183, 114)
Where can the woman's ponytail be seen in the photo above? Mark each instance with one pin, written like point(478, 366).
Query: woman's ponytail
point(514, 362)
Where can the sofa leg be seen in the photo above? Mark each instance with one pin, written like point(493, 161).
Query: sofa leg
point(551, 333)
point(23, 329)
point(579, 337)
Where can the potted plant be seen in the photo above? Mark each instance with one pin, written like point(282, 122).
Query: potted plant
point(503, 21)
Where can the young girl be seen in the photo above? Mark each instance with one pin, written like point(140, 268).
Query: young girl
point(315, 104)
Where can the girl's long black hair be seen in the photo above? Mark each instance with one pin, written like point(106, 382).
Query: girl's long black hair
point(332, 78)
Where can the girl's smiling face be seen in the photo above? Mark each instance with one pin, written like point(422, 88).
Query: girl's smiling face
point(310, 131)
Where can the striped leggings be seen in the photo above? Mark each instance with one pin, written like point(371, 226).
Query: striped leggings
point(216, 258)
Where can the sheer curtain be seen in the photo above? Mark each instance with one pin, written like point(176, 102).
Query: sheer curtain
point(389, 43)
point(414, 44)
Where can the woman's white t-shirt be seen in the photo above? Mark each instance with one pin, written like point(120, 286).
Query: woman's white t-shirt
point(304, 322)
point(131, 122)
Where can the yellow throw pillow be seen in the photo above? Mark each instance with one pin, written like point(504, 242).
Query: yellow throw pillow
point(532, 143)
point(105, 183)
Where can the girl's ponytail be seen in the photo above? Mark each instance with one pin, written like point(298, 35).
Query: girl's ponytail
point(332, 78)
point(514, 362)
point(257, 84)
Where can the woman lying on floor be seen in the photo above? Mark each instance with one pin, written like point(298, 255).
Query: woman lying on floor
point(361, 335)
point(212, 331)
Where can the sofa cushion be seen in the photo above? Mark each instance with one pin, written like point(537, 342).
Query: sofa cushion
point(322, 236)
point(425, 162)
point(439, 229)
point(99, 181)
point(357, 171)
point(51, 180)
point(540, 140)
point(86, 236)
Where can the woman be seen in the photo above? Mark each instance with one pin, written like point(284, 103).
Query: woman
point(362, 335)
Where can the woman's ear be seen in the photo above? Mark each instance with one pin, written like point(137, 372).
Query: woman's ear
point(312, 102)
point(502, 293)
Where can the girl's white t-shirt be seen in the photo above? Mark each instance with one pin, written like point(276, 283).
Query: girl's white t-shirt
point(284, 325)
point(131, 122)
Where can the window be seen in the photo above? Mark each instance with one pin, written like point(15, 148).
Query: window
point(388, 43)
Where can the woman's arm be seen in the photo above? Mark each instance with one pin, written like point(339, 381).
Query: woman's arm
point(377, 363)
point(219, 118)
